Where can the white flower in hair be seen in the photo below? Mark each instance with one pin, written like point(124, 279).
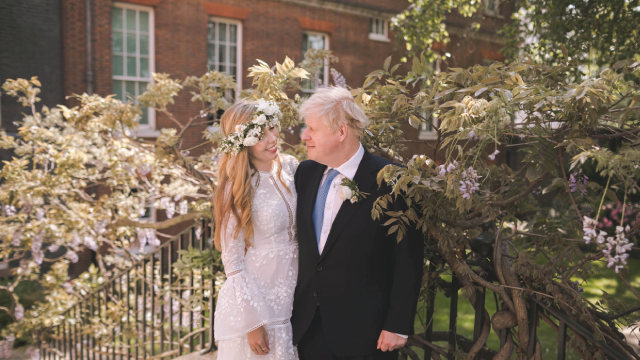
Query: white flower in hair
point(260, 119)
point(271, 109)
point(262, 104)
point(267, 115)
point(250, 141)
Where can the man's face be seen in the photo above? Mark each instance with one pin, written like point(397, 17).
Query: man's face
point(322, 144)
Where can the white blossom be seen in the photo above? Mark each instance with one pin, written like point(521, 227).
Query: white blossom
point(184, 207)
point(90, 243)
point(38, 257)
point(198, 233)
point(9, 210)
point(151, 237)
point(72, 256)
point(493, 155)
point(19, 312)
point(39, 214)
point(53, 248)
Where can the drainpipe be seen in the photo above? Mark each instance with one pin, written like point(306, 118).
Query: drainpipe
point(89, 74)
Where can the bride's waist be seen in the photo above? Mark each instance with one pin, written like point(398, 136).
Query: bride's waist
point(262, 247)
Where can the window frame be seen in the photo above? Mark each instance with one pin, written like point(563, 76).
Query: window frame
point(146, 130)
point(325, 78)
point(239, 44)
point(384, 37)
point(426, 134)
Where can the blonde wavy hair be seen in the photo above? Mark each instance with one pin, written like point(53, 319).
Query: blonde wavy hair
point(234, 192)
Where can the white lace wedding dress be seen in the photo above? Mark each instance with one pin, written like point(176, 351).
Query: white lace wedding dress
point(260, 284)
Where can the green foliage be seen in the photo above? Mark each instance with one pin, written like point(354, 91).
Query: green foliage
point(423, 23)
point(600, 32)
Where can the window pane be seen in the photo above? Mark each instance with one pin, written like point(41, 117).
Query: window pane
point(232, 71)
point(116, 41)
point(222, 54)
point(305, 43)
point(316, 42)
point(371, 25)
point(232, 54)
point(222, 32)
point(144, 68)
point(116, 18)
point(131, 43)
point(212, 53)
point(233, 33)
point(142, 87)
point(212, 31)
point(144, 21)
point(118, 66)
point(130, 88)
point(222, 69)
point(117, 89)
point(132, 69)
point(131, 20)
point(144, 119)
point(144, 44)
point(377, 26)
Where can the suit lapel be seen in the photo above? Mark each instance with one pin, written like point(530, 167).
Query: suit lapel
point(365, 178)
point(309, 203)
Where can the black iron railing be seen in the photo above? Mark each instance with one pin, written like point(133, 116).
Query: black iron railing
point(151, 310)
point(168, 313)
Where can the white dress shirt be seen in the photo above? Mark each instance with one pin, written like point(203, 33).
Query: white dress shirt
point(334, 198)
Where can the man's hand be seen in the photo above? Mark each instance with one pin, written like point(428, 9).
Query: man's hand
point(390, 341)
point(258, 341)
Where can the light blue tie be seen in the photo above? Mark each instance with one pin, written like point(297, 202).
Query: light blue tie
point(321, 199)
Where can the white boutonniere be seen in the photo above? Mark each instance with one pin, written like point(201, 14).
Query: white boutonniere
point(349, 190)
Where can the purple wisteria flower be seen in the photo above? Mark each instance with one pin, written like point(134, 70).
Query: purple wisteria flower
point(577, 181)
point(338, 79)
point(616, 247)
point(469, 183)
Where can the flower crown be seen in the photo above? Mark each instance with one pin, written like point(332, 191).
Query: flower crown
point(267, 115)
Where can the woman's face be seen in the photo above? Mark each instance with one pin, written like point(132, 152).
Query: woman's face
point(266, 150)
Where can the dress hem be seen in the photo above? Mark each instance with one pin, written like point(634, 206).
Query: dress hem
point(268, 324)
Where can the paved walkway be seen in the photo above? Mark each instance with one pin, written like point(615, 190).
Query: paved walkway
point(196, 356)
point(633, 336)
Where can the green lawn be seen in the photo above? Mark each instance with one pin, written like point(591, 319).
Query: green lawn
point(607, 280)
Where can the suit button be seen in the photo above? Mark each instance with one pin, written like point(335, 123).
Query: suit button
point(319, 267)
point(315, 294)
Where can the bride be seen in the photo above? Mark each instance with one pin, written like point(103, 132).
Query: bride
point(255, 205)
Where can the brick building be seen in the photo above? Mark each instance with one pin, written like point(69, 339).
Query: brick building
point(113, 47)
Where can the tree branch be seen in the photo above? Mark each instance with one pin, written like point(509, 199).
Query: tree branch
point(159, 225)
point(526, 192)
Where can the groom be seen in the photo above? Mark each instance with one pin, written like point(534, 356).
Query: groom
point(357, 286)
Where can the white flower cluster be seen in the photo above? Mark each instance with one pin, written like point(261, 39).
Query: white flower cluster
point(267, 115)
point(616, 246)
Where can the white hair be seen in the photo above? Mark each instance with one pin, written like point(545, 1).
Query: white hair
point(336, 107)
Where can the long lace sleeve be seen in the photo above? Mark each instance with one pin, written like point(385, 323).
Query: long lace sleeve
point(241, 307)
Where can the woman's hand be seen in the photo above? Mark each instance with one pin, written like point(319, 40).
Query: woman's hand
point(258, 341)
